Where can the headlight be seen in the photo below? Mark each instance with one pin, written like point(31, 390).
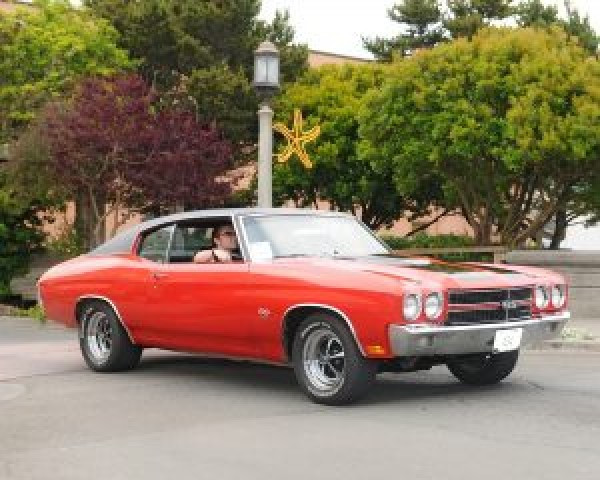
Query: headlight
point(541, 297)
point(433, 305)
point(412, 306)
point(558, 296)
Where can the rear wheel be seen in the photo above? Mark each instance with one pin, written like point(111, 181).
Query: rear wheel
point(328, 364)
point(104, 343)
point(485, 368)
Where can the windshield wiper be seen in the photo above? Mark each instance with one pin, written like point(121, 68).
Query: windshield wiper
point(338, 256)
point(317, 255)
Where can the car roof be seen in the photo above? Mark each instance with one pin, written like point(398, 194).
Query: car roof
point(123, 241)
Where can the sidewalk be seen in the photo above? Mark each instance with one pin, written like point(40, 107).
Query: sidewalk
point(590, 325)
point(581, 333)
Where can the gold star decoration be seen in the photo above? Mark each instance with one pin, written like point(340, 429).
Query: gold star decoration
point(296, 139)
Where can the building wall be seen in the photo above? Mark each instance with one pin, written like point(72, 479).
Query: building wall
point(447, 225)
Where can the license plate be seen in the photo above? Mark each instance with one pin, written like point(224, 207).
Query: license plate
point(507, 340)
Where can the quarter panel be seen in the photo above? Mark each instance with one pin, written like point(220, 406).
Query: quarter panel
point(119, 278)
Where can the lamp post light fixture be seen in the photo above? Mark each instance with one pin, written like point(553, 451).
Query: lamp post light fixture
point(266, 84)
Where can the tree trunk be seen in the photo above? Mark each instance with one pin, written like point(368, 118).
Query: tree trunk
point(561, 228)
point(100, 221)
point(486, 231)
point(101, 236)
point(84, 220)
point(481, 233)
point(87, 220)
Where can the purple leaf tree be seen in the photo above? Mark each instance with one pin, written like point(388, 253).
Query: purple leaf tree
point(117, 155)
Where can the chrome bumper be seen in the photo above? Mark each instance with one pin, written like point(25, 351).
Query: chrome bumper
point(423, 340)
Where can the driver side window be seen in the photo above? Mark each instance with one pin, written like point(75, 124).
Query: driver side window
point(180, 243)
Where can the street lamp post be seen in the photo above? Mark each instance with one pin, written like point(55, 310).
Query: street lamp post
point(266, 84)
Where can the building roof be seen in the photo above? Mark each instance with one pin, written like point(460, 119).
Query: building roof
point(316, 58)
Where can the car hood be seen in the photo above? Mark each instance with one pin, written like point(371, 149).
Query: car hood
point(431, 273)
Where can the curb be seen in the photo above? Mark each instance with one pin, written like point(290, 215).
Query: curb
point(30, 322)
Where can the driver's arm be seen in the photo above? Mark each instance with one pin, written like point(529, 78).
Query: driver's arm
point(204, 256)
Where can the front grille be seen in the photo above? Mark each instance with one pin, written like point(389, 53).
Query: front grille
point(463, 306)
point(470, 297)
point(500, 315)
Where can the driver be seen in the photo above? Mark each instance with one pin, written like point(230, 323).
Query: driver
point(224, 246)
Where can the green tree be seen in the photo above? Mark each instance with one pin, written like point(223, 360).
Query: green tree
point(579, 26)
point(533, 13)
point(584, 198)
point(28, 174)
point(466, 17)
point(43, 51)
point(509, 120)
point(179, 36)
point(423, 29)
point(201, 53)
point(19, 234)
point(429, 22)
point(331, 97)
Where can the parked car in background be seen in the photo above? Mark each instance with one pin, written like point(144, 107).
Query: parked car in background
point(313, 289)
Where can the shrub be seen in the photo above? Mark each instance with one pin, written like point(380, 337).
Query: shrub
point(36, 312)
point(67, 244)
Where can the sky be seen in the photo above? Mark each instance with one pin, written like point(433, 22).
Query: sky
point(336, 26)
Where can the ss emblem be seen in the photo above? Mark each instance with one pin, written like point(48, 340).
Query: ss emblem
point(508, 304)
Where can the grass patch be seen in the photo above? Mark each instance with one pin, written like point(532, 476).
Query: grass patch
point(576, 334)
point(36, 312)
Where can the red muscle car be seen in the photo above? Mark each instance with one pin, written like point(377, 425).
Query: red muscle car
point(315, 290)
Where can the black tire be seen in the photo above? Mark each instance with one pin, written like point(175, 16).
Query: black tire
point(104, 343)
point(484, 369)
point(346, 375)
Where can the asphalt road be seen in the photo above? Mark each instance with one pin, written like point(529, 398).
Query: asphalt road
point(186, 417)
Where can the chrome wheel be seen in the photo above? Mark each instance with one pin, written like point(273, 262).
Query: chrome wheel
point(99, 337)
point(328, 363)
point(323, 360)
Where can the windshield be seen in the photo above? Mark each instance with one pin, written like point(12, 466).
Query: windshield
point(274, 236)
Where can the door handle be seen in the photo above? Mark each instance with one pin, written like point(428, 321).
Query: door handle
point(159, 275)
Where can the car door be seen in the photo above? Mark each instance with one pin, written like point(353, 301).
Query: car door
point(198, 307)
